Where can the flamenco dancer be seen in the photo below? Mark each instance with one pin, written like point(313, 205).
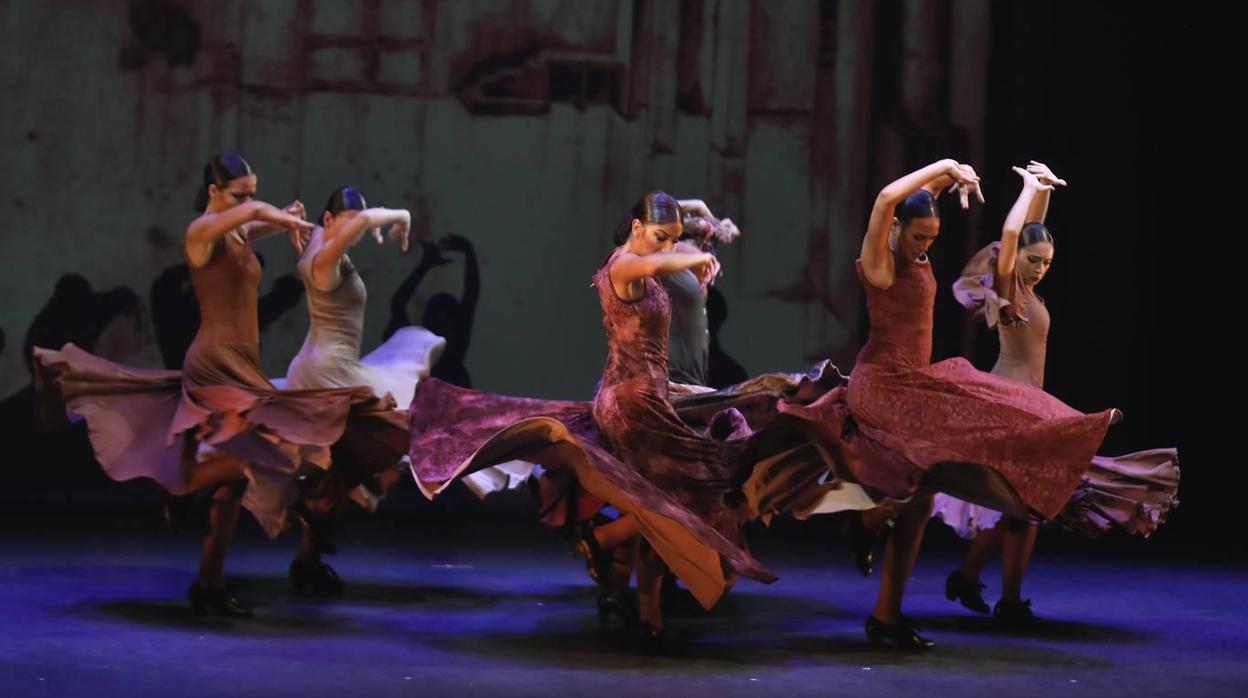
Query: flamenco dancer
point(688, 352)
point(676, 488)
point(218, 427)
point(923, 427)
point(1131, 493)
point(330, 358)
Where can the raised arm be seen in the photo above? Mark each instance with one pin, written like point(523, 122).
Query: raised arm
point(327, 261)
point(259, 230)
point(207, 230)
point(628, 270)
point(877, 258)
point(1040, 202)
point(1013, 226)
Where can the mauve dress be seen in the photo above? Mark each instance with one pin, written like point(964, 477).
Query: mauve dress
point(628, 447)
point(1132, 493)
point(947, 426)
point(162, 424)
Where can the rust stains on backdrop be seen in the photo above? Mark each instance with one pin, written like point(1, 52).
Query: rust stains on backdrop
point(160, 28)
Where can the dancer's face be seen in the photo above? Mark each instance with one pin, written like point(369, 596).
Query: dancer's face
point(917, 235)
point(1033, 262)
point(236, 191)
point(648, 238)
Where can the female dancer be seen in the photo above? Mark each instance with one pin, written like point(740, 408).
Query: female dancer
point(689, 337)
point(943, 426)
point(330, 358)
point(218, 426)
point(678, 489)
point(1133, 492)
point(688, 350)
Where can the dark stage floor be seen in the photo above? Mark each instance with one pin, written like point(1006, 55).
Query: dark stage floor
point(104, 615)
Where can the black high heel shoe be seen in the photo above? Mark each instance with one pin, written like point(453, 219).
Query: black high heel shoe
point(597, 560)
point(315, 577)
point(964, 591)
point(903, 635)
point(863, 542)
point(616, 603)
point(219, 601)
point(651, 638)
point(1014, 615)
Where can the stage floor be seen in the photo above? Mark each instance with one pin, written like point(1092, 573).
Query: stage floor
point(474, 614)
